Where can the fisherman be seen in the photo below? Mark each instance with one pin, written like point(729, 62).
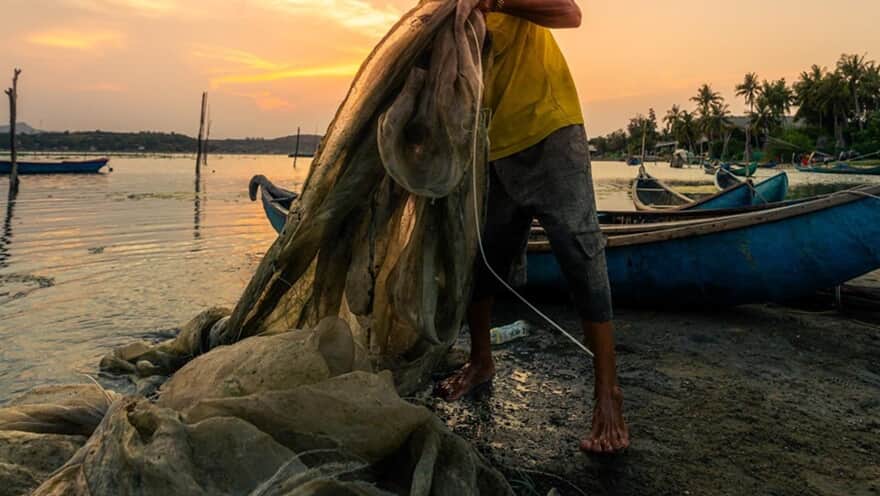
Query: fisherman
point(540, 168)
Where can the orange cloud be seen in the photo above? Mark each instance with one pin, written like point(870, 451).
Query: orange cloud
point(77, 40)
point(345, 70)
point(238, 58)
point(237, 67)
point(357, 15)
point(140, 7)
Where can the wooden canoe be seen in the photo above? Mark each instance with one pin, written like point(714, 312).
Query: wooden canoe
point(770, 254)
point(841, 168)
point(771, 190)
point(61, 167)
point(650, 193)
point(742, 170)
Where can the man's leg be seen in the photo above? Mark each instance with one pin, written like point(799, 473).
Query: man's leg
point(504, 238)
point(609, 433)
point(559, 189)
point(481, 367)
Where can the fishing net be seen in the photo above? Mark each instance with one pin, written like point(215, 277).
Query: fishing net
point(383, 234)
point(297, 389)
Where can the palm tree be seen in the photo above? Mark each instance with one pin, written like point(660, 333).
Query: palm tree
point(704, 99)
point(763, 117)
point(672, 120)
point(779, 96)
point(749, 89)
point(687, 130)
point(807, 93)
point(853, 69)
point(834, 98)
point(870, 98)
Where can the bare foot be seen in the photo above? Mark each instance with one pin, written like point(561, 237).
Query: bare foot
point(465, 380)
point(609, 434)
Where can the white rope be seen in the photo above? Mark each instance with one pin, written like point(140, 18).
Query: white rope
point(479, 229)
point(857, 193)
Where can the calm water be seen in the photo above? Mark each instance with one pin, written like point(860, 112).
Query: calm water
point(88, 263)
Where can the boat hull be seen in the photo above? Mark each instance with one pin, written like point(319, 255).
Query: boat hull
point(774, 261)
point(65, 167)
point(770, 190)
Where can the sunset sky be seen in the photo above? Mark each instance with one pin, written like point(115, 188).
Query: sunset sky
point(273, 65)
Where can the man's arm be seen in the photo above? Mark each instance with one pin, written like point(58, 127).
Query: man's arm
point(547, 13)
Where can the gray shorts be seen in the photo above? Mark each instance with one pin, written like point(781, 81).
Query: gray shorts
point(550, 181)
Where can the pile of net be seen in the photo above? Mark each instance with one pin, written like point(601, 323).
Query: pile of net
point(297, 390)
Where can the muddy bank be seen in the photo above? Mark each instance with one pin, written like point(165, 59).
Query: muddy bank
point(754, 400)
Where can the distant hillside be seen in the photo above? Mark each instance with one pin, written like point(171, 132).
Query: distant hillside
point(150, 142)
point(20, 128)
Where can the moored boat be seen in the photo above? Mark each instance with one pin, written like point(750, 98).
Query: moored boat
point(840, 168)
point(742, 170)
point(777, 254)
point(650, 193)
point(754, 254)
point(58, 167)
point(770, 190)
point(276, 200)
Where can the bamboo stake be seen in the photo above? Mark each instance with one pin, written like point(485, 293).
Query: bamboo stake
point(12, 93)
point(201, 139)
point(296, 148)
point(207, 138)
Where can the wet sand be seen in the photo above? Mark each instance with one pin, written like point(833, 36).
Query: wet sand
point(754, 400)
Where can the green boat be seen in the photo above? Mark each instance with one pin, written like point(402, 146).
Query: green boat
point(741, 170)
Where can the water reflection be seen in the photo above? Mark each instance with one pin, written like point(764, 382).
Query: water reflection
point(197, 208)
point(6, 234)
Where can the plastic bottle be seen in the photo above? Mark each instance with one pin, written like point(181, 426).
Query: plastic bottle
point(510, 332)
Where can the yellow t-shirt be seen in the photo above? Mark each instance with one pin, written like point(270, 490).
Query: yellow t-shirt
point(529, 88)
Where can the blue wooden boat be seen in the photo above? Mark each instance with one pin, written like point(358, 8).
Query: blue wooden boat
point(771, 190)
point(777, 252)
point(276, 201)
point(633, 161)
point(61, 167)
point(840, 168)
point(650, 193)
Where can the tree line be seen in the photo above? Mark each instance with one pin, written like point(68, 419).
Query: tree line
point(835, 110)
point(152, 142)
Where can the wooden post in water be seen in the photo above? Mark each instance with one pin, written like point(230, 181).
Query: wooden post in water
point(201, 139)
point(12, 93)
point(207, 138)
point(296, 148)
point(748, 158)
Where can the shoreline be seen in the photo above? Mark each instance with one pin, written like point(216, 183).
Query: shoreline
point(761, 399)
